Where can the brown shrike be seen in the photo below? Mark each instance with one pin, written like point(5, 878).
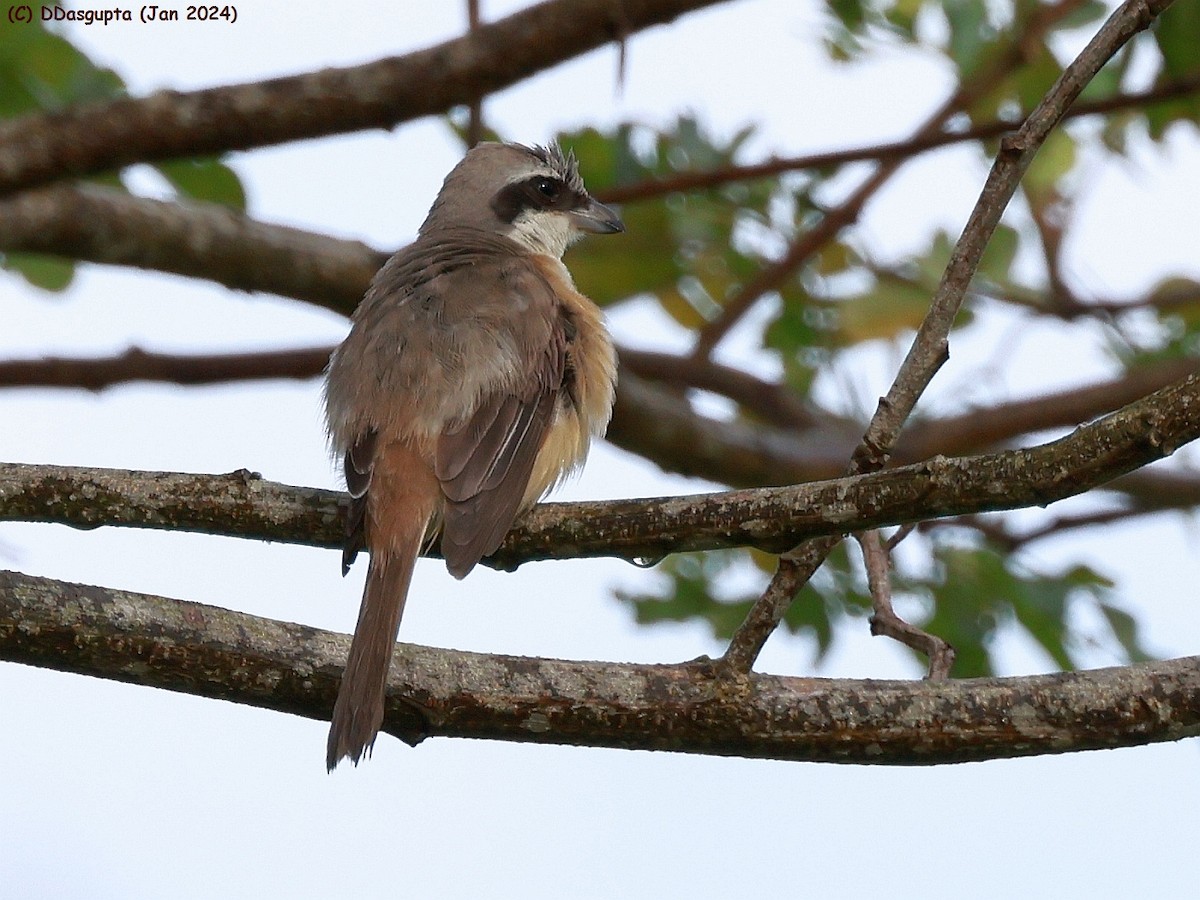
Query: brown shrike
point(472, 380)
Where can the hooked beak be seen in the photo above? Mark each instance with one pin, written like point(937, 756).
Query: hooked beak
point(596, 218)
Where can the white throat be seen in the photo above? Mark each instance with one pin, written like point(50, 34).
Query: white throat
point(543, 232)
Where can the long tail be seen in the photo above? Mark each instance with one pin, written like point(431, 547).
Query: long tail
point(358, 712)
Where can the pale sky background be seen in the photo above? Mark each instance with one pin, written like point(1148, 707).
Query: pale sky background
point(114, 791)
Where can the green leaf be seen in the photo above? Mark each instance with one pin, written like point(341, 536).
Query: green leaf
point(1053, 161)
point(641, 260)
point(691, 588)
point(1035, 77)
point(1040, 606)
point(971, 35)
point(1000, 254)
point(892, 307)
point(681, 247)
point(41, 71)
point(800, 325)
point(1177, 32)
point(50, 273)
point(689, 593)
point(1126, 631)
point(206, 179)
point(932, 263)
point(966, 610)
point(1083, 15)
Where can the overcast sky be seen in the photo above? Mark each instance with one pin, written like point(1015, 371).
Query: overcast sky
point(114, 791)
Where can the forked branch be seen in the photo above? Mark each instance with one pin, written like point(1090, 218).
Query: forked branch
point(930, 348)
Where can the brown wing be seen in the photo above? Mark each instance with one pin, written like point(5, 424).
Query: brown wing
point(484, 464)
point(357, 465)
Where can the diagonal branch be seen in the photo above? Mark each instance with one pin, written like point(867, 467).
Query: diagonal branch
point(987, 426)
point(931, 347)
point(690, 707)
point(845, 213)
point(84, 140)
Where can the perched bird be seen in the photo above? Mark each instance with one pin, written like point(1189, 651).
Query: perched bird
point(473, 379)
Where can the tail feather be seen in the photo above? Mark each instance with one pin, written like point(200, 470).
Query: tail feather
point(358, 711)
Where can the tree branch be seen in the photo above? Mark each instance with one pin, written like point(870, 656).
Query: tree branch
point(200, 240)
point(691, 707)
point(136, 364)
point(986, 426)
point(244, 505)
point(84, 140)
point(931, 347)
point(660, 426)
point(885, 621)
point(802, 249)
point(891, 150)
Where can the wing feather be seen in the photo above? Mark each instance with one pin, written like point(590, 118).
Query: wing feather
point(359, 461)
point(484, 464)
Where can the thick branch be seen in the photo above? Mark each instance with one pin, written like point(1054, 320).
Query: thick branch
point(98, 224)
point(987, 426)
point(244, 505)
point(84, 140)
point(692, 707)
point(660, 426)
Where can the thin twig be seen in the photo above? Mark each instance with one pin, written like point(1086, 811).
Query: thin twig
point(901, 533)
point(891, 150)
point(1000, 535)
point(806, 245)
point(885, 621)
point(475, 108)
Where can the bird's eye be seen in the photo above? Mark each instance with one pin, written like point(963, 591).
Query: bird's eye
point(547, 187)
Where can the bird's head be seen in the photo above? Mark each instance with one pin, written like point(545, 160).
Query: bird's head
point(533, 195)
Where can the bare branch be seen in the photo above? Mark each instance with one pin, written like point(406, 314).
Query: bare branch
point(987, 426)
point(999, 534)
point(664, 428)
point(242, 504)
point(84, 140)
point(694, 707)
point(475, 126)
point(200, 240)
point(886, 622)
point(802, 249)
point(931, 348)
point(796, 568)
point(139, 365)
point(892, 150)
